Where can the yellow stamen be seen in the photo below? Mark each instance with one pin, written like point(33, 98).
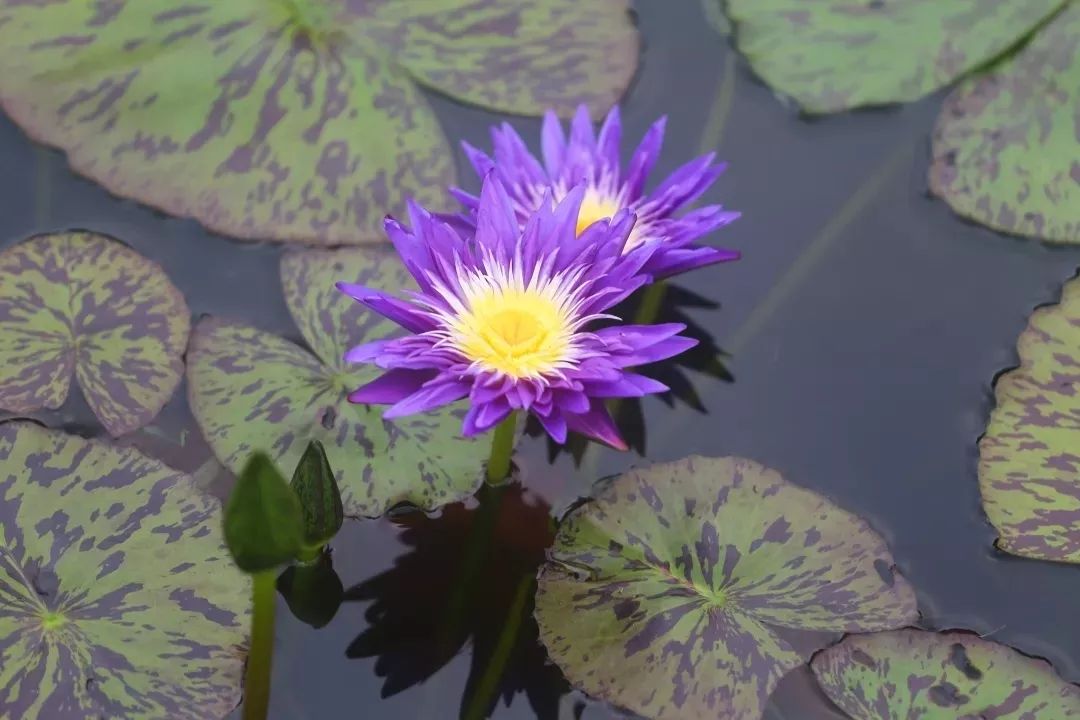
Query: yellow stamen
point(595, 207)
point(519, 332)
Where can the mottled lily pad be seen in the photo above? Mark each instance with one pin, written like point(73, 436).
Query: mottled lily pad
point(687, 589)
point(909, 674)
point(251, 390)
point(832, 55)
point(82, 304)
point(292, 119)
point(118, 598)
point(1006, 149)
point(1029, 458)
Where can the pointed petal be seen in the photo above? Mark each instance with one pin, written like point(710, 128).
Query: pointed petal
point(429, 397)
point(644, 158)
point(389, 307)
point(391, 387)
point(552, 144)
point(609, 140)
point(598, 425)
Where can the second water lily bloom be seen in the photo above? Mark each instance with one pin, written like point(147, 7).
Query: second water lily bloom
point(513, 318)
point(585, 158)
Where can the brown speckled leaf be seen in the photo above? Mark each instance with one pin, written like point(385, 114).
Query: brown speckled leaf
point(676, 591)
point(251, 390)
point(1029, 459)
point(118, 598)
point(912, 674)
point(84, 304)
point(1006, 149)
point(293, 120)
point(832, 55)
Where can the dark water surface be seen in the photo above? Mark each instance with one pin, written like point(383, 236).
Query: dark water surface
point(865, 325)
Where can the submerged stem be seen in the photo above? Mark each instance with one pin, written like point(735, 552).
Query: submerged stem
point(257, 677)
point(502, 448)
point(504, 646)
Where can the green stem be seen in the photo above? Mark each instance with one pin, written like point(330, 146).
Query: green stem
point(257, 677)
point(489, 683)
point(652, 298)
point(502, 447)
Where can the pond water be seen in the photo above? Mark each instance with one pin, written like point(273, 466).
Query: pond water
point(864, 326)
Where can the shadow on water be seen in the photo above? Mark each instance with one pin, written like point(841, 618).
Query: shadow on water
point(466, 579)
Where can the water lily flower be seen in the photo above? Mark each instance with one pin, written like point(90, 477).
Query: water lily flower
point(593, 160)
point(513, 318)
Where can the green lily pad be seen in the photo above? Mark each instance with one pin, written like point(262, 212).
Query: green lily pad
point(910, 673)
point(85, 305)
point(687, 589)
point(292, 119)
point(251, 390)
point(833, 55)
point(1029, 458)
point(1005, 150)
point(118, 598)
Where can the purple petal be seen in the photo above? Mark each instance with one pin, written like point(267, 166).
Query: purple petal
point(686, 184)
point(555, 425)
point(598, 425)
point(496, 223)
point(429, 397)
point(480, 161)
point(389, 307)
point(675, 262)
point(660, 351)
point(481, 418)
point(366, 352)
point(391, 387)
point(552, 144)
point(644, 158)
point(629, 385)
point(608, 142)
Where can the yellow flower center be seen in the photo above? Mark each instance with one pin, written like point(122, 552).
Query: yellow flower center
point(595, 207)
point(519, 332)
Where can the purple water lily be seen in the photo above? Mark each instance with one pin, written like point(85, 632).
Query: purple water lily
point(508, 318)
point(593, 160)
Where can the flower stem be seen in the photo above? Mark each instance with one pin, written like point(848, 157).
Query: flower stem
point(257, 677)
point(652, 297)
point(502, 447)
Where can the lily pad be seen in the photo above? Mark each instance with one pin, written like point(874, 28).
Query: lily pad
point(687, 589)
point(1029, 458)
point(940, 676)
point(118, 598)
point(833, 55)
point(251, 390)
point(1005, 150)
point(292, 119)
point(85, 305)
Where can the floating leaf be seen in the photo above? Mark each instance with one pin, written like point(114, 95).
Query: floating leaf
point(83, 304)
point(832, 55)
point(118, 598)
point(1029, 458)
point(250, 390)
point(1006, 149)
point(909, 674)
point(320, 499)
point(680, 590)
point(292, 119)
point(264, 523)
